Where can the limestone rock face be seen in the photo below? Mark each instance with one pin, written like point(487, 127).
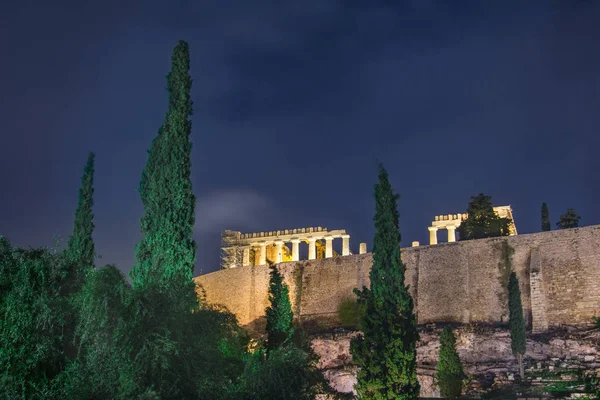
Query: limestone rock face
point(486, 355)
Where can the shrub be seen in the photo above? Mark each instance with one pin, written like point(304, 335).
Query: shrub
point(349, 312)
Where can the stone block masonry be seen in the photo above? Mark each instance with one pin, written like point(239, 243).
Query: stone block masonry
point(558, 271)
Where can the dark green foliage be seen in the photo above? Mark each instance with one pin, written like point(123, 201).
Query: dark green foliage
point(386, 353)
point(568, 220)
point(350, 312)
point(80, 252)
point(483, 222)
point(450, 373)
point(545, 218)
point(516, 321)
point(279, 313)
point(166, 254)
point(32, 315)
point(288, 373)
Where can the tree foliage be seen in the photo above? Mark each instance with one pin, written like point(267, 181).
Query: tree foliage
point(166, 254)
point(516, 321)
point(81, 252)
point(545, 218)
point(482, 221)
point(568, 220)
point(279, 313)
point(450, 373)
point(386, 352)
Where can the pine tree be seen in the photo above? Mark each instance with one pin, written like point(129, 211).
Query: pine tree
point(80, 252)
point(450, 370)
point(483, 221)
point(386, 352)
point(545, 218)
point(516, 321)
point(568, 220)
point(279, 313)
point(166, 254)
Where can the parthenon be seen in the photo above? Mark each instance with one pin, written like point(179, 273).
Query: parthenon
point(243, 249)
point(452, 221)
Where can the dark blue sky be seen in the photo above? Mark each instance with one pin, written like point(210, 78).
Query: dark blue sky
point(294, 101)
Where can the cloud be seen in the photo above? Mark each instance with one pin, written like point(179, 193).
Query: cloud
point(235, 209)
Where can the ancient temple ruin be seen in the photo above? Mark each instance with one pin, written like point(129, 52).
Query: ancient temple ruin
point(452, 221)
point(243, 249)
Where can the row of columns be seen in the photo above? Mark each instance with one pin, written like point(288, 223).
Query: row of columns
point(433, 234)
point(312, 249)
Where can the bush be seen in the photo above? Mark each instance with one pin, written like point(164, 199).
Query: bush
point(349, 312)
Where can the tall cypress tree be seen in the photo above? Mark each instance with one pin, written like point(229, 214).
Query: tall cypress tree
point(545, 218)
point(279, 313)
point(450, 370)
point(80, 252)
point(386, 353)
point(516, 321)
point(166, 254)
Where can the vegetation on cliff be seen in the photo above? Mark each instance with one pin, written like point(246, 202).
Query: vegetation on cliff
point(483, 221)
point(450, 373)
point(516, 322)
point(568, 220)
point(386, 352)
point(279, 313)
point(545, 218)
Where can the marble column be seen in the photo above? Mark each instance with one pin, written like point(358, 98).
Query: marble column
point(246, 256)
point(432, 235)
point(362, 249)
point(278, 251)
point(451, 233)
point(345, 245)
point(312, 249)
point(295, 249)
point(328, 246)
point(263, 254)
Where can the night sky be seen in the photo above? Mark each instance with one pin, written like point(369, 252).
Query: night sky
point(294, 101)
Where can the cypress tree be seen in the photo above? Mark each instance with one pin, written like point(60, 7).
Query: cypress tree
point(545, 218)
point(568, 220)
point(450, 370)
point(166, 254)
point(386, 353)
point(279, 313)
point(516, 321)
point(80, 251)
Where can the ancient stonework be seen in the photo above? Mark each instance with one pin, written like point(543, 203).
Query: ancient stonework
point(460, 282)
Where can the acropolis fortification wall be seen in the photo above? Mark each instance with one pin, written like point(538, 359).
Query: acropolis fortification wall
point(463, 281)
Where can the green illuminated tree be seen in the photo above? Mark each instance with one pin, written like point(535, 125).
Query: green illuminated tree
point(80, 252)
point(482, 221)
point(568, 220)
point(386, 352)
point(450, 370)
point(516, 321)
point(545, 218)
point(279, 313)
point(166, 254)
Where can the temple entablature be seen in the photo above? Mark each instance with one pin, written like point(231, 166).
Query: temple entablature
point(259, 248)
point(451, 222)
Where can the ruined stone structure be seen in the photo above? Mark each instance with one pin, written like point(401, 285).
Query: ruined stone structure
point(452, 221)
point(244, 249)
point(558, 271)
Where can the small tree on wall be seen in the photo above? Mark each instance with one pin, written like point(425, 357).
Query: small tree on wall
point(450, 373)
point(279, 313)
point(516, 321)
point(545, 218)
point(568, 220)
point(483, 221)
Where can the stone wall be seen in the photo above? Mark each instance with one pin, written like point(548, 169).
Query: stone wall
point(559, 273)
